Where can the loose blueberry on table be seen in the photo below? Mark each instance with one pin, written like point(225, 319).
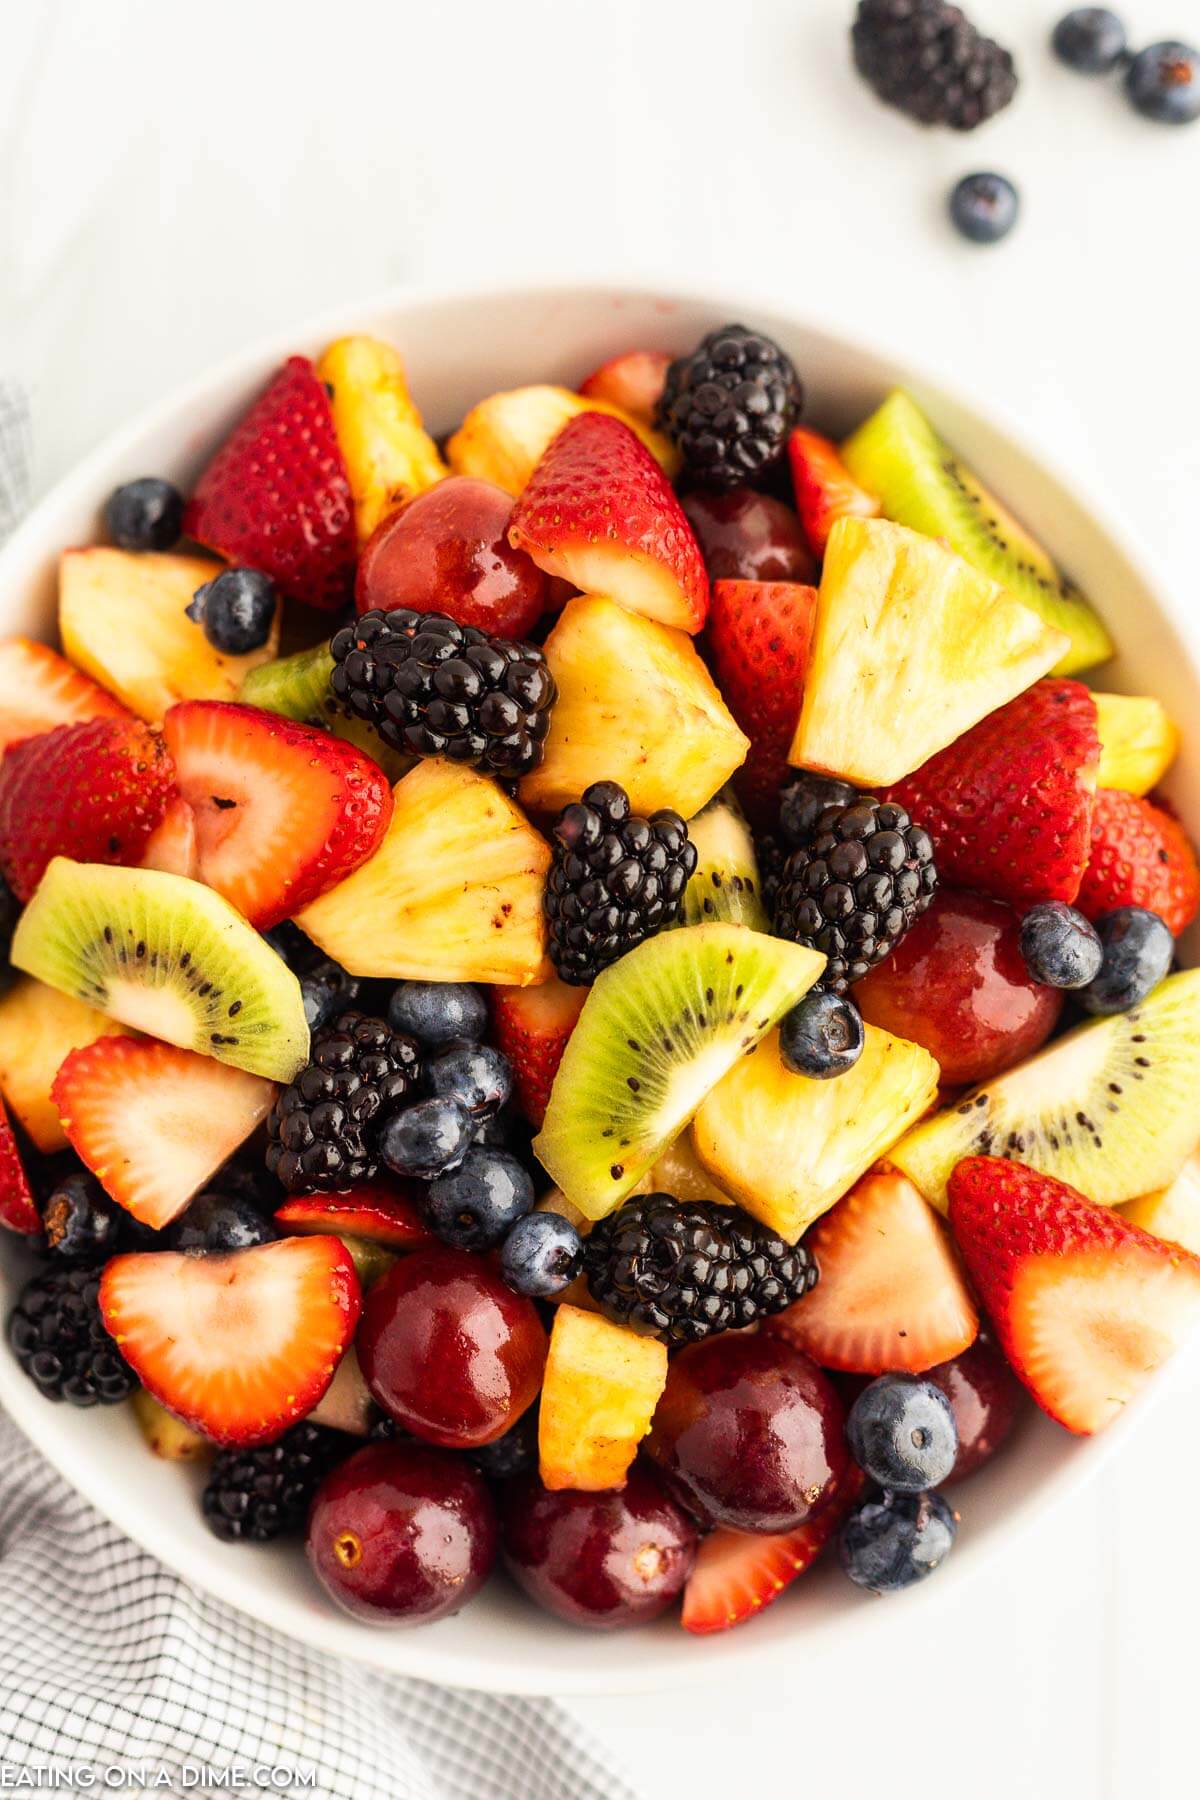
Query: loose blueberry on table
point(563, 1070)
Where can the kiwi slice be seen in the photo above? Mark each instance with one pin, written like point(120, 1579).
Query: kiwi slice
point(168, 957)
point(1110, 1107)
point(658, 1030)
point(726, 883)
point(897, 456)
point(297, 687)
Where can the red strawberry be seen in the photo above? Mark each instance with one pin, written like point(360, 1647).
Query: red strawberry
point(153, 1122)
point(634, 382)
point(532, 1027)
point(1086, 1305)
point(276, 495)
point(94, 791)
point(1009, 804)
point(283, 811)
point(825, 489)
point(39, 689)
point(891, 1294)
point(384, 1214)
point(17, 1207)
point(600, 513)
point(761, 634)
point(737, 1573)
point(240, 1346)
point(171, 846)
point(1141, 856)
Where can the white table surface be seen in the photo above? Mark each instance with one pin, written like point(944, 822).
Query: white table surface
point(175, 179)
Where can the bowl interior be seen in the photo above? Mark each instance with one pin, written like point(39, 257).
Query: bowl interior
point(459, 348)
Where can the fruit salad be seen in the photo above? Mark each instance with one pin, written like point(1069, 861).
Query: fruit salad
point(593, 998)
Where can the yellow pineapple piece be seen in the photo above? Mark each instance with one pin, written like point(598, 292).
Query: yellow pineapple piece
point(503, 437)
point(1171, 1212)
point(122, 620)
point(786, 1147)
point(389, 455)
point(911, 648)
point(601, 1387)
point(166, 1435)
point(1138, 741)
point(39, 1027)
point(636, 705)
point(680, 1172)
point(454, 892)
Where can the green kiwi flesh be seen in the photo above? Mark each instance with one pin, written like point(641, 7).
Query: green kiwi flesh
point(297, 687)
point(167, 956)
point(1110, 1108)
point(897, 456)
point(657, 1032)
point(726, 883)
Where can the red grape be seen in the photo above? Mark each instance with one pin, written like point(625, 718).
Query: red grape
point(984, 1397)
point(748, 536)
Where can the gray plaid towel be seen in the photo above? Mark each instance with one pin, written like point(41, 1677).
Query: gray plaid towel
point(108, 1662)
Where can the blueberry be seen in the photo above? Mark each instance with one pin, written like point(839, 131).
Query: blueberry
point(890, 1542)
point(511, 1454)
point(495, 1130)
point(290, 943)
point(1059, 946)
point(984, 207)
point(326, 991)
point(438, 1012)
point(542, 1254)
point(426, 1139)
point(803, 800)
point(81, 1223)
point(220, 1222)
point(1090, 40)
point(236, 609)
point(246, 1177)
point(146, 514)
point(475, 1206)
point(1138, 951)
point(902, 1434)
point(1163, 83)
point(475, 1075)
point(822, 1037)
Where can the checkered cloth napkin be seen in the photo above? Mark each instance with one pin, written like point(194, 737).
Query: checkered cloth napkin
point(110, 1662)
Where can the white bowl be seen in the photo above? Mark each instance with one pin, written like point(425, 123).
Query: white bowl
point(459, 347)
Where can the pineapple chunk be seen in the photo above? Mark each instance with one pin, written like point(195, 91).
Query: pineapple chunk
point(680, 1172)
point(635, 705)
point(122, 619)
point(454, 892)
point(786, 1147)
point(502, 438)
point(166, 1435)
point(602, 1385)
point(1172, 1212)
point(389, 455)
point(911, 648)
point(39, 1027)
point(1138, 741)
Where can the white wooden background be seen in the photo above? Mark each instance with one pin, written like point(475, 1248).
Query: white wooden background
point(175, 179)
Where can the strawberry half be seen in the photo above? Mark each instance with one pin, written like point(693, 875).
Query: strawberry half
point(891, 1294)
point(532, 1025)
point(1141, 856)
point(239, 1346)
point(1086, 1305)
point(383, 1215)
point(276, 495)
point(283, 811)
point(632, 381)
point(761, 635)
point(40, 689)
point(825, 489)
point(1009, 804)
point(94, 791)
point(599, 512)
point(153, 1122)
point(18, 1209)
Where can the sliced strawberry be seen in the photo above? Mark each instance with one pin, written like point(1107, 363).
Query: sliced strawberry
point(18, 1209)
point(153, 1122)
point(761, 634)
point(825, 489)
point(238, 1346)
point(600, 513)
point(1009, 804)
point(532, 1027)
point(1086, 1305)
point(39, 689)
point(891, 1294)
point(94, 791)
point(276, 495)
point(171, 846)
point(632, 381)
point(1141, 856)
point(373, 1210)
point(283, 811)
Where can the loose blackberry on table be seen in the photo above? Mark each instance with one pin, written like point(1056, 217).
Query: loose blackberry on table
point(253, 1496)
point(926, 58)
point(59, 1339)
point(324, 1127)
point(730, 405)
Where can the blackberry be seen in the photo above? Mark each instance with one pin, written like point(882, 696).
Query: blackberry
point(434, 688)
point(730, 405)
point(614, 881)
point(771, 856)
point(324, 1128)
point(684, 1271)
point(255, 1495)
point(926, 58)
point(60, 1340)
point(852, 891)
